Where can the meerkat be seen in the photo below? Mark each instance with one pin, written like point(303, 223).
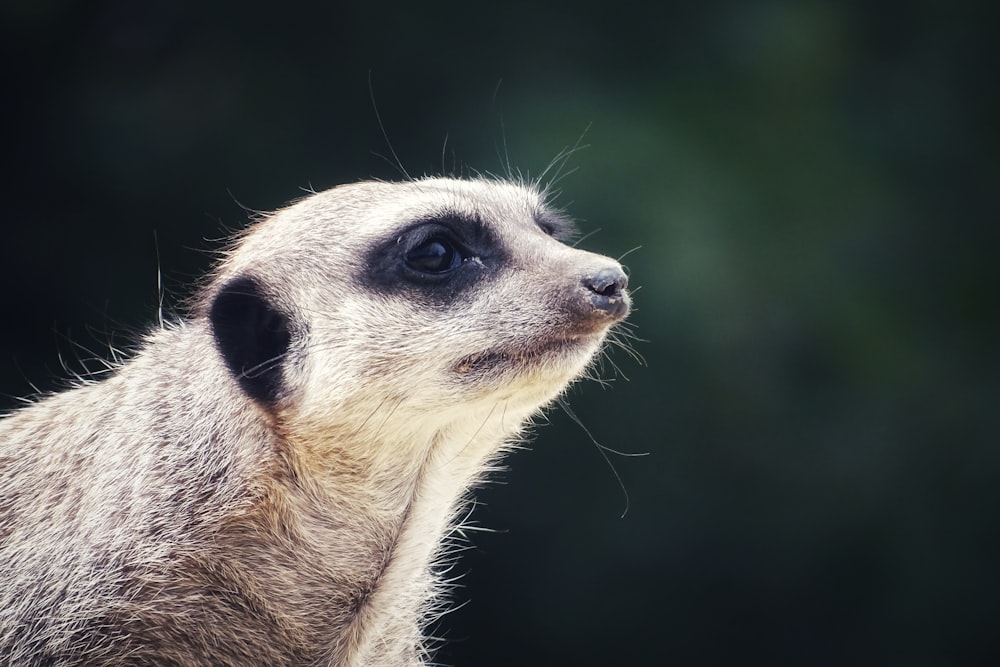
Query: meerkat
point(269, 480)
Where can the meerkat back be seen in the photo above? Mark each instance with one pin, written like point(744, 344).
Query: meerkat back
point(268, 481)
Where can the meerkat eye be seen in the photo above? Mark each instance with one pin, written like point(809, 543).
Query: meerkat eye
point(435, 255)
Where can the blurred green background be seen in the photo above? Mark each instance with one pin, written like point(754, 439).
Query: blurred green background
point(814, 189)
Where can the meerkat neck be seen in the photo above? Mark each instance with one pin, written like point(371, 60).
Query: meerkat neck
point(412, 485)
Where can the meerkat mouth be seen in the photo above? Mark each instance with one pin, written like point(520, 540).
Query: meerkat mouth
point(526, 355)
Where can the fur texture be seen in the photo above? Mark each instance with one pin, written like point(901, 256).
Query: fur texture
point(269, 481)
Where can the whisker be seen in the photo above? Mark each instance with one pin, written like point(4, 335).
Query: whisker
point(628, 252)
point(603, 452)
point(585, 237)
point(385, 135)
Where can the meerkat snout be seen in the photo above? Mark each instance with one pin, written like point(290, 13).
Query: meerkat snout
point(596, 296)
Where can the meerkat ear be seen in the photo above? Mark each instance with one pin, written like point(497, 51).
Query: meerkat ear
point(252, 336)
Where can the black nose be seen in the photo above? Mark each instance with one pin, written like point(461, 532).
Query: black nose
point(607, 282)
point(608, 291)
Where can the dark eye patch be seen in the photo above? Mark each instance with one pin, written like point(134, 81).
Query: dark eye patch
point(430, 258)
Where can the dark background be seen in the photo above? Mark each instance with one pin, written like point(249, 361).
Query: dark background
point(814, 189)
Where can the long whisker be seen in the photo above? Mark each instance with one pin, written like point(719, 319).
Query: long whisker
point(385, 135)
point(603, 451)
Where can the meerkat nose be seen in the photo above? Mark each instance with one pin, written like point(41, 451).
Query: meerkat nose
point(608, 291)
point(609, 282)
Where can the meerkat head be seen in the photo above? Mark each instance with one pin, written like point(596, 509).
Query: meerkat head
point(431, 298)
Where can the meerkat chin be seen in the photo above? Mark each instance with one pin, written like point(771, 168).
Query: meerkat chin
point(268, 481)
